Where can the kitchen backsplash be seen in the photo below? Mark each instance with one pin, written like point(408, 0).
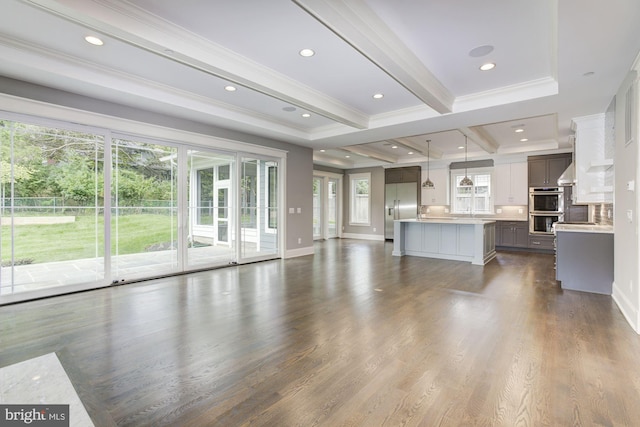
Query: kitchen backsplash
point(602, 213)
point(506, 212)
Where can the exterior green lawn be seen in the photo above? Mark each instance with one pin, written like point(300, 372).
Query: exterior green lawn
point(82, 238)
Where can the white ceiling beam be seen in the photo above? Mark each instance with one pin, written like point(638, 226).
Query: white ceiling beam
point(432, 153)
point(481, 138)
point(371, 153)
point(358, 25)
point(123, 21)
point(326, 159)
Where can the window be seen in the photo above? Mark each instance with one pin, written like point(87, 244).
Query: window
point(360, 206)
point(475, 199)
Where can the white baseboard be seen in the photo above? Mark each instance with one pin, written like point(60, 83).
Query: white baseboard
point(626, 307)
point(363, 236)
point(292, 253)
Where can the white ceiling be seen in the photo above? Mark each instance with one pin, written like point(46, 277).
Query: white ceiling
point(554, 60)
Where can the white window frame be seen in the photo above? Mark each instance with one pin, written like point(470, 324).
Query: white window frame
point(353, 179)
point(472, 173)
point(268, 196)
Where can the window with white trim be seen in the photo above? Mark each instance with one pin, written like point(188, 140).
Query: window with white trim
point(360, 199)
point(476, 199)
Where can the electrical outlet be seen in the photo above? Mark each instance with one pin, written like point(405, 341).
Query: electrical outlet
point(520, 211)
point(446, 210)
point(374, 229)
point(299, 240)
point(499, 210)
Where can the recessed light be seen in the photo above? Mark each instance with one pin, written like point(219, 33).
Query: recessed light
point(307, 53)
point(289, 109)
point(394, 146)
point(410, 153)
point(461, 147)
point(524, 139)
point(519, 130)
point(322, 151)
point(488, 66)
point(305, 115)
point(378, 96)
point(230, 88)
point(94, 40)
point(347, 156)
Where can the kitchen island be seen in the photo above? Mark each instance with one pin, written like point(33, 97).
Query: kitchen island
point(459, 239)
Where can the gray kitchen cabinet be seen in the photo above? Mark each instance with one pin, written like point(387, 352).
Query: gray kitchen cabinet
point(544, 171)
point(541, 242)
point(512, 234)
point(584, 261)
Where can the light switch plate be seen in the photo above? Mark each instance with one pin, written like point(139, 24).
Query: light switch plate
point(292, 210)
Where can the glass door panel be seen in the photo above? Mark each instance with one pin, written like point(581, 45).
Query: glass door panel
point(317, 207)
point(332, 208)
point(259, 209)
point(144, 210)
point(51, 197)
point(210, 201)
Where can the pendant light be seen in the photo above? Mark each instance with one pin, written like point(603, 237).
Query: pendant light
point(465, 182)
point(428, 184)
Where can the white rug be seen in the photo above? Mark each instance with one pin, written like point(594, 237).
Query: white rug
point(41, 381)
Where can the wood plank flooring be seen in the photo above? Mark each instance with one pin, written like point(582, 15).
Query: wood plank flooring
point(348, 337)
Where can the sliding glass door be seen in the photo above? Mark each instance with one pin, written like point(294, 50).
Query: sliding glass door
point(211, 237)
point(51, 207)
point(83, 208)
point(259, 208)
point(144, 211)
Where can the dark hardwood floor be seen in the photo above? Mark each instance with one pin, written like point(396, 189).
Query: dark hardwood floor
point(348, 337)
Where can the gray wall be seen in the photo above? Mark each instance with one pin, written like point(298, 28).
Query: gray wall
point(377, 203)
point(626, 290)
point(299, 173)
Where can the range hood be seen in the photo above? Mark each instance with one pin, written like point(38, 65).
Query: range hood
point(568, 177)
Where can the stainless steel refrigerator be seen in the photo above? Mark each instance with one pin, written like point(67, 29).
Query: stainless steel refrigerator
point(400, 202)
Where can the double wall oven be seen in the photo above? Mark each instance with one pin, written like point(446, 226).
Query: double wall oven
point(546, 207)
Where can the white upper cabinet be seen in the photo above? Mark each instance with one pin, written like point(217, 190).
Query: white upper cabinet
point(511, 186)
point(593, 160)
point(438, 195)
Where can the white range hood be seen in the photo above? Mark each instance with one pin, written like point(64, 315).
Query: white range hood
point(568, 177)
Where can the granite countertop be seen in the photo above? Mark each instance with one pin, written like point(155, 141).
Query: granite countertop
point(583, 228)
point(449, 220)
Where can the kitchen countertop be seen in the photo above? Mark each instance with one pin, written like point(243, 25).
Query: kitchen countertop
point(584, 228)
point(449, 220)
point(490, 218)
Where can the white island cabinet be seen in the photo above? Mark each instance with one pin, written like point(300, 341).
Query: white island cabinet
point(459, 239)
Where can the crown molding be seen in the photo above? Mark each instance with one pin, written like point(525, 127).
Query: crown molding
point(532, 89)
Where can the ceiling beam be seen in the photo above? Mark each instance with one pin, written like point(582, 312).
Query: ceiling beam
point(355, 22)
point(432, 153)
point(371, 153)
point(481, 138)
